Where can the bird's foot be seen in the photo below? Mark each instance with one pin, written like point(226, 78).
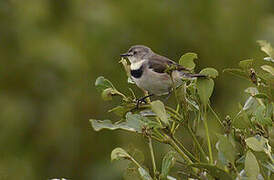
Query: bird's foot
point(142, 100)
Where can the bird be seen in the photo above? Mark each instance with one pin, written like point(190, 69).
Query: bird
point(149, 71)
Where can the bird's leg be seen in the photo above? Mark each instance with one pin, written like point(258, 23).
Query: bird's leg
point(143, 99)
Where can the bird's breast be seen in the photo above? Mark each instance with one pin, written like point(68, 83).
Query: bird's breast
point(153, 82)
point(137, 73)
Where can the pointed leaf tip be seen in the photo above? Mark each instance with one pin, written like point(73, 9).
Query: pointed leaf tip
point(119, 153)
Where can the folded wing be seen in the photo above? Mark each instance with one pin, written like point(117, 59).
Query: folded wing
point(160, 63)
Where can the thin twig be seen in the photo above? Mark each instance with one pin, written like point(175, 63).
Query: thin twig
point(152, 157)
point(174, 112)
point(197, 143)
point(184, 149)
point(207, 137)
point(179, 150)
point(216, 116)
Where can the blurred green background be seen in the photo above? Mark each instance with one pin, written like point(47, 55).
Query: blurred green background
point(52, 51)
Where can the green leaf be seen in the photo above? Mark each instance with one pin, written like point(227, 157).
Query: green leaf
point(159, 108)
point(222, 159)
point(241, 121)
point(132, 124)
point(105, 86)
point(246, 64)
point(254, 144)
point(187, 60)
point(268, 68)
point(251, 105)
point(210, 72)
point(265, 77)
point(144, 174)
point(126, 66)
point(267, 121)
point(213, 170)
point(144, 120)
point(260, 116)
point(259, 113)
point(167, 163)
point(252, 91)
point(258, 143)
point(269, 110)
point(236, 72)
point(251, 166)
point(107, 94)
point(118, 154)
point(205, 88)
point(226, 148)
point(242, 176)
point(131, 172)
point(136, 121)
point(267, 48)
point(181, 94)
point(102, 83)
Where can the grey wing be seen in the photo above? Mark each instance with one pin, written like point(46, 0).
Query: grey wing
point(160, 63)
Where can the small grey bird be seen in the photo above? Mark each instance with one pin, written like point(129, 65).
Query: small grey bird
point(148, 70)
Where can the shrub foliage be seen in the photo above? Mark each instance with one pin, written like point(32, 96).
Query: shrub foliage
point(243, 146)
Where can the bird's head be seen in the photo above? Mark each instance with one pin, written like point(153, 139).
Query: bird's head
point(137, 53)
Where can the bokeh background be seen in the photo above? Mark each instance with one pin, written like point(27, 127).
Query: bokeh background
point(51, 52)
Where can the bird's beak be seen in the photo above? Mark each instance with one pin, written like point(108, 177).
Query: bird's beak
point(125, 55)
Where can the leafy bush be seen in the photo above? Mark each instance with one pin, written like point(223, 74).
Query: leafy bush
point(244, 146)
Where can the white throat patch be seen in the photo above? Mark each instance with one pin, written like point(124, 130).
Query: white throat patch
point(136, 65)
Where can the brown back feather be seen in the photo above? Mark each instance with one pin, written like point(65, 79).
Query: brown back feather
point(160, 63)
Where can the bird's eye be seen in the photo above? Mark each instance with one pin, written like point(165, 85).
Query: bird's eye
point(134, 52)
